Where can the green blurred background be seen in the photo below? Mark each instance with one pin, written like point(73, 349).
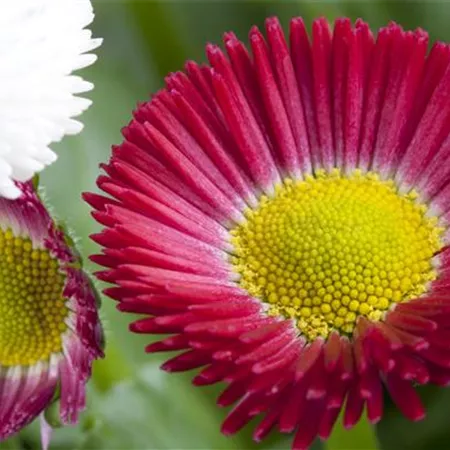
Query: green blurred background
point(133, 405)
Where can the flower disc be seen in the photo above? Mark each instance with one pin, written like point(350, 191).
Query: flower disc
point(329, 249)
point(32, 305)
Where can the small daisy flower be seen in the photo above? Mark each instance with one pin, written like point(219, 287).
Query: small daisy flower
point(50, 331)
point(42, 43)
point(284, 216)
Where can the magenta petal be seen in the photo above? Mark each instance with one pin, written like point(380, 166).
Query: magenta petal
point(46, 433)
point(215, 147)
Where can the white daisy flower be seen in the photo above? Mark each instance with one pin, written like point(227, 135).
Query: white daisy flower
point(41, 43)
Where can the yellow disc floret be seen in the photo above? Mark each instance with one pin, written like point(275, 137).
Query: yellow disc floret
point(32, 307)
point(328, 249)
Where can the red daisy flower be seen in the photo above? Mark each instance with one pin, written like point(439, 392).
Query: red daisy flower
point(284, 216)
point(50, 332)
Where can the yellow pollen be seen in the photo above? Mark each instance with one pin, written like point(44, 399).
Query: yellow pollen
point(32, 307)
point(331, 248)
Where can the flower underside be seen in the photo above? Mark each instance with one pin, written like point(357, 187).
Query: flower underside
point(32, 306)
point(331, 248)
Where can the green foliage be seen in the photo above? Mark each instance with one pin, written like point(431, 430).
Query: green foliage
point(395, 432)
point(133, 405)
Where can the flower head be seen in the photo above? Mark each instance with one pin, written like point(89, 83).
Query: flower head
point(42, 42)
point(50, 331)
point(284, 216)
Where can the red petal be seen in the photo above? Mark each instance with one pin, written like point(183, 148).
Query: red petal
point(405, 397)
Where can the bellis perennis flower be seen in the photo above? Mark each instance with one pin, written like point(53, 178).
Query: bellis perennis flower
point(50, 331)
point(284, 216)
point(42, 42)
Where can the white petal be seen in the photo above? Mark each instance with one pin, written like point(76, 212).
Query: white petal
point(47, 156)
point(42, 42)
point(85, 60)
point(10, 191)
point(77, 85)
point(24, 167)
point(73, 126)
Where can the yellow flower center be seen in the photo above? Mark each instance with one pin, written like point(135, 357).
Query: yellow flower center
point(328, 249)
point(32, 307)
